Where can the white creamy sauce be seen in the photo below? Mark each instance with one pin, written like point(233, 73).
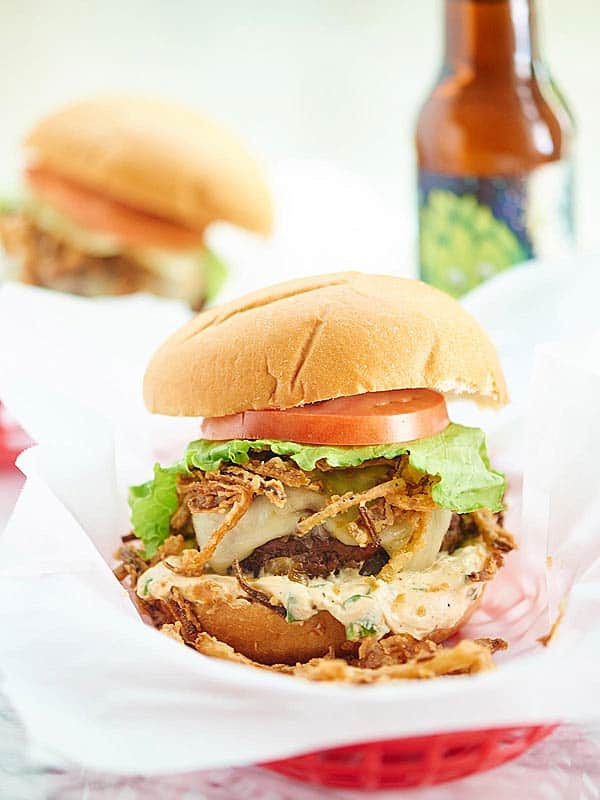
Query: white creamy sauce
point(264, 522)
point(415, 602)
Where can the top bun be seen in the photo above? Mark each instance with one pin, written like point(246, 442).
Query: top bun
point(157, 157)
point(319, 338)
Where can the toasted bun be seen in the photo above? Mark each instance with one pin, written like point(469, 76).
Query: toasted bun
point(323, 337)
point(262, 635)
point(157, 157)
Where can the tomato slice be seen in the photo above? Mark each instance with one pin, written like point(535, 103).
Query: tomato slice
point(98, 212)
point(401, 415)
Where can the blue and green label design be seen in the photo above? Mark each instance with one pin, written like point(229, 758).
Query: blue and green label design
point(470, 229)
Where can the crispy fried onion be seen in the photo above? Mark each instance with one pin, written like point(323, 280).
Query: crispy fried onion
point(284, 471)
point(172, 546)
point(133, 563)
point(548, 637)
point(490, 567)
point(217, 491)
point(466, 658)
point(393, 657)
point(498, 540)
point(398, 562)
point(395, 491)
point(186, 486)
point(230, 491)
point(397, 649)
point(493, 534)
point(402, 647)
point(365, 532)
point(211, 492)
point(373, 519)
point(255, 594)
point(255, 483)
point(192, 562)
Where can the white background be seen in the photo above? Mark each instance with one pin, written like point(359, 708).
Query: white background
point(333, 79)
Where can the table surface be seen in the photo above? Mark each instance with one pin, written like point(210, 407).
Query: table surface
point(566, 766)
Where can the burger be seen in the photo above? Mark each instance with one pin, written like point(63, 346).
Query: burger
point(119, 192)
point(330, 519)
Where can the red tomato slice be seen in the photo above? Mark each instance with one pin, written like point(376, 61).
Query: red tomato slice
point(401, 415)
point(99, 213)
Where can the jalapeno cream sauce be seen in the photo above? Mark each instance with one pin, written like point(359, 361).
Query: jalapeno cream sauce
point(414, 602)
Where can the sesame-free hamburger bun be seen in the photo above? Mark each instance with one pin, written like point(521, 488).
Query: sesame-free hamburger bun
point(319, 338)
point(154, 156)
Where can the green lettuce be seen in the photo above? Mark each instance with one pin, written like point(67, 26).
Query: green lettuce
point(215, 273)
point(152, 504)
point(10, 204)
point(458, 456)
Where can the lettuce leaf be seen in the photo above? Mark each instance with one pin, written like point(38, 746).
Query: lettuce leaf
point(152, 505)
point(10, 203)
point(215, 273)
point(458, 456)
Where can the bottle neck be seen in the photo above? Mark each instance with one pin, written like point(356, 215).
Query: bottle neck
point(491, 35)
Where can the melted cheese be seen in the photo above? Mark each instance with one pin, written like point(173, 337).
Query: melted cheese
point(260, 524)
point(264, 522)
point(177, 274)
point(414, 602)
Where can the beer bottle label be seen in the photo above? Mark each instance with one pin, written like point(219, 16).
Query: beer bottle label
point(472, 228)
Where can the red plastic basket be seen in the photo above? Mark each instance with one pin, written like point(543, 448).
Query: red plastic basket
point(417, 761)
point(13, 440)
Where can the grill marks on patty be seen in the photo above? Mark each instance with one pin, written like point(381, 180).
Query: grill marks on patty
point(315, 555)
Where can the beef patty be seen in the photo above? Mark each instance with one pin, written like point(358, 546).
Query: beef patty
point(316, 555)
point(49, 262)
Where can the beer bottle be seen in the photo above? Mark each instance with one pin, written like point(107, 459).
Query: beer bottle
point(494, 144)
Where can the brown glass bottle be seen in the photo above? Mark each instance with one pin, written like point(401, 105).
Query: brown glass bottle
point(494, 141)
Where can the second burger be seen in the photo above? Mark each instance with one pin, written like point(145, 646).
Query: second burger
point(119, 192)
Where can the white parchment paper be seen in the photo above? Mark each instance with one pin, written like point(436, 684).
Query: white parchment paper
point(100, 688)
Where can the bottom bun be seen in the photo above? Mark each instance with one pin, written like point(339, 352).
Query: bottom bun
point(262, 635)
